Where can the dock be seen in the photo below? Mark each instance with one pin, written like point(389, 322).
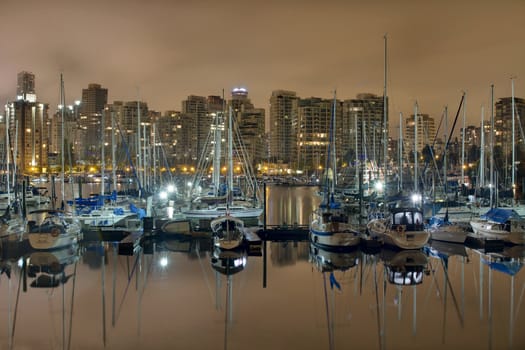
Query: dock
point(130, 244)
point(284, 233)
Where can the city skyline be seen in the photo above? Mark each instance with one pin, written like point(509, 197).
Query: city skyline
point(160, 54)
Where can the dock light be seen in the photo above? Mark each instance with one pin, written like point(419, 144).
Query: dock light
point(163, 262)
point(170, 188)
point(379, 186)
point(416, 198)
point(163, 195)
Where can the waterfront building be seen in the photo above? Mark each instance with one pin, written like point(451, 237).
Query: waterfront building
point(94, 99)
point(195, 109)
point(503, 123)
point(363, 119)
point(283, 127)
point(426, 132)
point(250, 121)
point(314, 118)
point(30, 145)
point(27, 122)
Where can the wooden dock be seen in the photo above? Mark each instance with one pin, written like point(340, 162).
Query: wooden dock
point(130, 244)
point(284, 233)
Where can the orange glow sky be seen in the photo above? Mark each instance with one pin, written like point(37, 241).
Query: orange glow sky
point(165, 50)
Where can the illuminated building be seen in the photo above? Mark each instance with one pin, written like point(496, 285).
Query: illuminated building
point(283, 127)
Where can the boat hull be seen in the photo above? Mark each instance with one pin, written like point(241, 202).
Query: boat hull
point(483, 229)
point(334, 235)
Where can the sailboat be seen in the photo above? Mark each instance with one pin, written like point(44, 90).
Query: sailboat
point(51, 228)
point(329, 227)
point(499, 223)
point(106, 212)
point(208, 209)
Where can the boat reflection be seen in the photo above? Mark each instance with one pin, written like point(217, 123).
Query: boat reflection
point(228, 263)
point(335, 264)
point(405, 267)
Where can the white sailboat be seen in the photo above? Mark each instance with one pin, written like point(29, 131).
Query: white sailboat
point(329, 226)
point(403, 229)
point(211, 210)
point(49, 228)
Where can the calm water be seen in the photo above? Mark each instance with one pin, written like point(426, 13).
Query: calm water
point(177, 295)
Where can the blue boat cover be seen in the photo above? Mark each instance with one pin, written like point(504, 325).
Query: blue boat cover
point(500, 215)
point(510, 268)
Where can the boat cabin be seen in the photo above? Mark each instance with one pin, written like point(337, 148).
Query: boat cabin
point(411, 219)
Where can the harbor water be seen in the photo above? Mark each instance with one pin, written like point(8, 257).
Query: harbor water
point(183, 294)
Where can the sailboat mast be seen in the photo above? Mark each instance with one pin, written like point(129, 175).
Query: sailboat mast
point(217, 154)
point(102, 152)
point(400, 187)
point(385, 118)
point(332, 140)
point(445, 153)
point(492, 145)
point(63, 108)
point(113, 152)
point(230, 152)
point(463, 141)
point(8, 148)
point(415, 148)
point(513, 185)
point(139, 153)
point(481, 182)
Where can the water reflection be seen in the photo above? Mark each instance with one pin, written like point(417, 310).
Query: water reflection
point(181, 293)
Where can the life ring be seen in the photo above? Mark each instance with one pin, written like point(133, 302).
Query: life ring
point(55, 231)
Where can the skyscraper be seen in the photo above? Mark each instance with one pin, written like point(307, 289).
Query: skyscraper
point(283, 126)
point(251, 124)
point(25, 89)
point(94, 99)
point(362, 125)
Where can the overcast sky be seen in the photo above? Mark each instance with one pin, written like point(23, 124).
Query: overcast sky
point(161, 51)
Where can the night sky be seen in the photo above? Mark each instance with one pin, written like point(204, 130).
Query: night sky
point(161, 51)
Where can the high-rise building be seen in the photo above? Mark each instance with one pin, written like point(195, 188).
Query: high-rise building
point(196, 109)
point(250, 122)
point(503, 122)
point(25, 89)
point(94, 99)
point(362, 128)
point(32, 122)
point(314, 124)
point(426, 131)
point(283, 126)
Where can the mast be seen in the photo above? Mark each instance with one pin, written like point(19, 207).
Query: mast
point(415, 148)
point(332, 140)
point(102, 152)
point(385, 119)
point(445, 153)
point(463, 142)
point(7, 146)
point(357, 165)
point(230, 154)
point(113, 151)
point(492, 145)
point(62, 110)
point(400, 186)
point(139, 153)
point(513, 185)
point(217, 155)
point(481, 182)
